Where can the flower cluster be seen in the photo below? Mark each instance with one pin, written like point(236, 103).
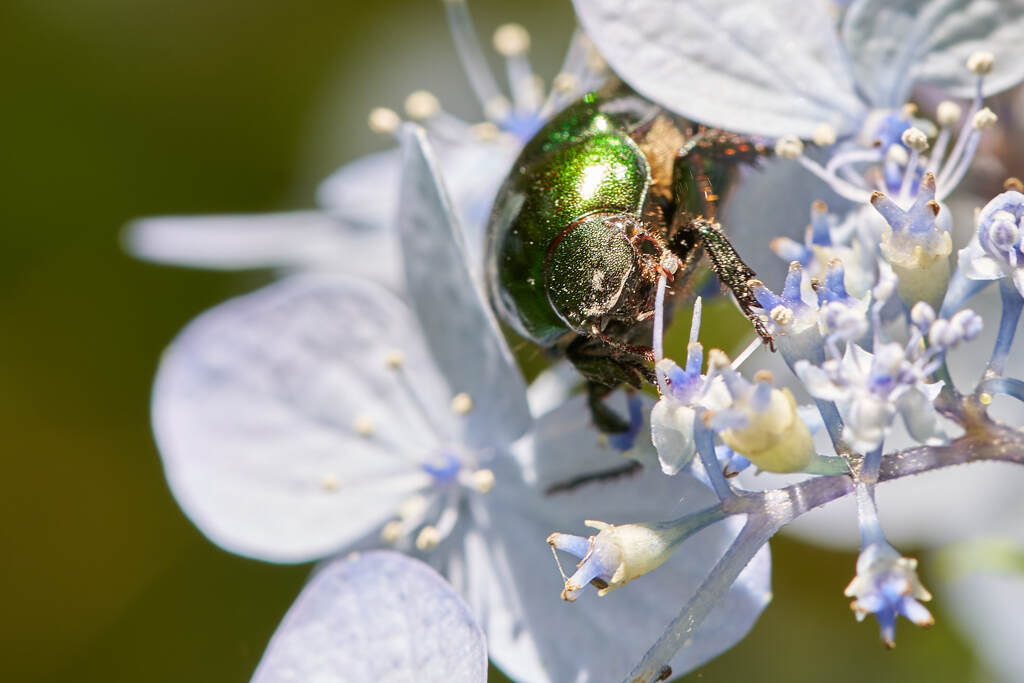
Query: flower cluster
point(345, 409)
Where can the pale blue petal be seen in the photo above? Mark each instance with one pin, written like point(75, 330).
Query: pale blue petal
point(534, 636)
point(898, 43)
point(285, 433)
point(378, 616)
point(472, 173)
point(293, 240)
point(457, 323)
point(364, 192)
point(768, 68)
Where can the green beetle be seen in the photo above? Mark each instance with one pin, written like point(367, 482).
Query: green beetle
point(611, 192)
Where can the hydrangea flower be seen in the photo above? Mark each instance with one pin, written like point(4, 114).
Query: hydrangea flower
point(359, 201)
point(782, 68)
point(322, 414)
point(995, 251)
point(421, 630)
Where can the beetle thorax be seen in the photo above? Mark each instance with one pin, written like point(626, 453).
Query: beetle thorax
point(603, 269)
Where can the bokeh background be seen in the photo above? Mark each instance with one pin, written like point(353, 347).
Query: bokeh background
point(120, 108)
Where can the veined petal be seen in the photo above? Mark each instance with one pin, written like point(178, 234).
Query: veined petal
point(898, 43)
point(459, 328)
point(768, 68)
point(473, 172)
point(364, 192)
point(379, 616)
point(286, 429)
point(534, 636)
point(293, 240)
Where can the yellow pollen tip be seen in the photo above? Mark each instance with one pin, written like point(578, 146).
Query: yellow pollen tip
point(462, 403)
point(420, 105)
point(363, 426)
point(985, 398)
point(511, 39)
point(391, 532)
point(483, 480)
point(384, 121)
point(394, 359)
point(428, 538)
point(330, 482)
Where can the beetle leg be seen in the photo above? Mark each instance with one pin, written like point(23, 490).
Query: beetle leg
point(731, 271)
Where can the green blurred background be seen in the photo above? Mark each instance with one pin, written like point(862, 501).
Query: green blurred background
point(121, 108)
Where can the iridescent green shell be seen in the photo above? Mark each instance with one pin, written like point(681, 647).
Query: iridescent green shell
point(582, 162)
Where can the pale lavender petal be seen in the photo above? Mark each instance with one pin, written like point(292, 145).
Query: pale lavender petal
point(897, 43)
point(285, 432)
point(535, 636)
point(769, 68)
point(378, 616)
point(457, 323)
point(293, 240)
point(511, 578)
point(364, 192)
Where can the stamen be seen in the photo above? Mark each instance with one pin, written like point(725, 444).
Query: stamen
point(824, 135)
point(462, 403)
point(363, 425)
point(984, 118)
point(981, 62)
point(948, 113)
point(789, 147)
point(511, 39)
point(460, 23)
point(428, 538)
point(483, 480)
point(394, 359)
point(384, 121)
point(330, 482)
point(421, 105)
point(391, 532)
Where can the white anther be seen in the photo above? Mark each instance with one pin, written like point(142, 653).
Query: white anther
point(497, 108)
point(383, 120)
point(789, 147)
point(922, 315)
point(421, 104)
point(915, 139)
point(948, 113)
point(782, 315)
point(897, 155)
point(824, 135)
point(428, 538)
point(941, 334)
point(413, 507)
point(462, 403)
point(981, 62)
point(511, 39)
point(363, 425)
point(717, 359)
point(483, 480)
point(984, 118)
point(566, 83)
point(395, 359)
point(391, 532)
point(485, 131)
point(330, 482)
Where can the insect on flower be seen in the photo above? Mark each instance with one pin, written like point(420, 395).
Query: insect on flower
point(611, 193)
